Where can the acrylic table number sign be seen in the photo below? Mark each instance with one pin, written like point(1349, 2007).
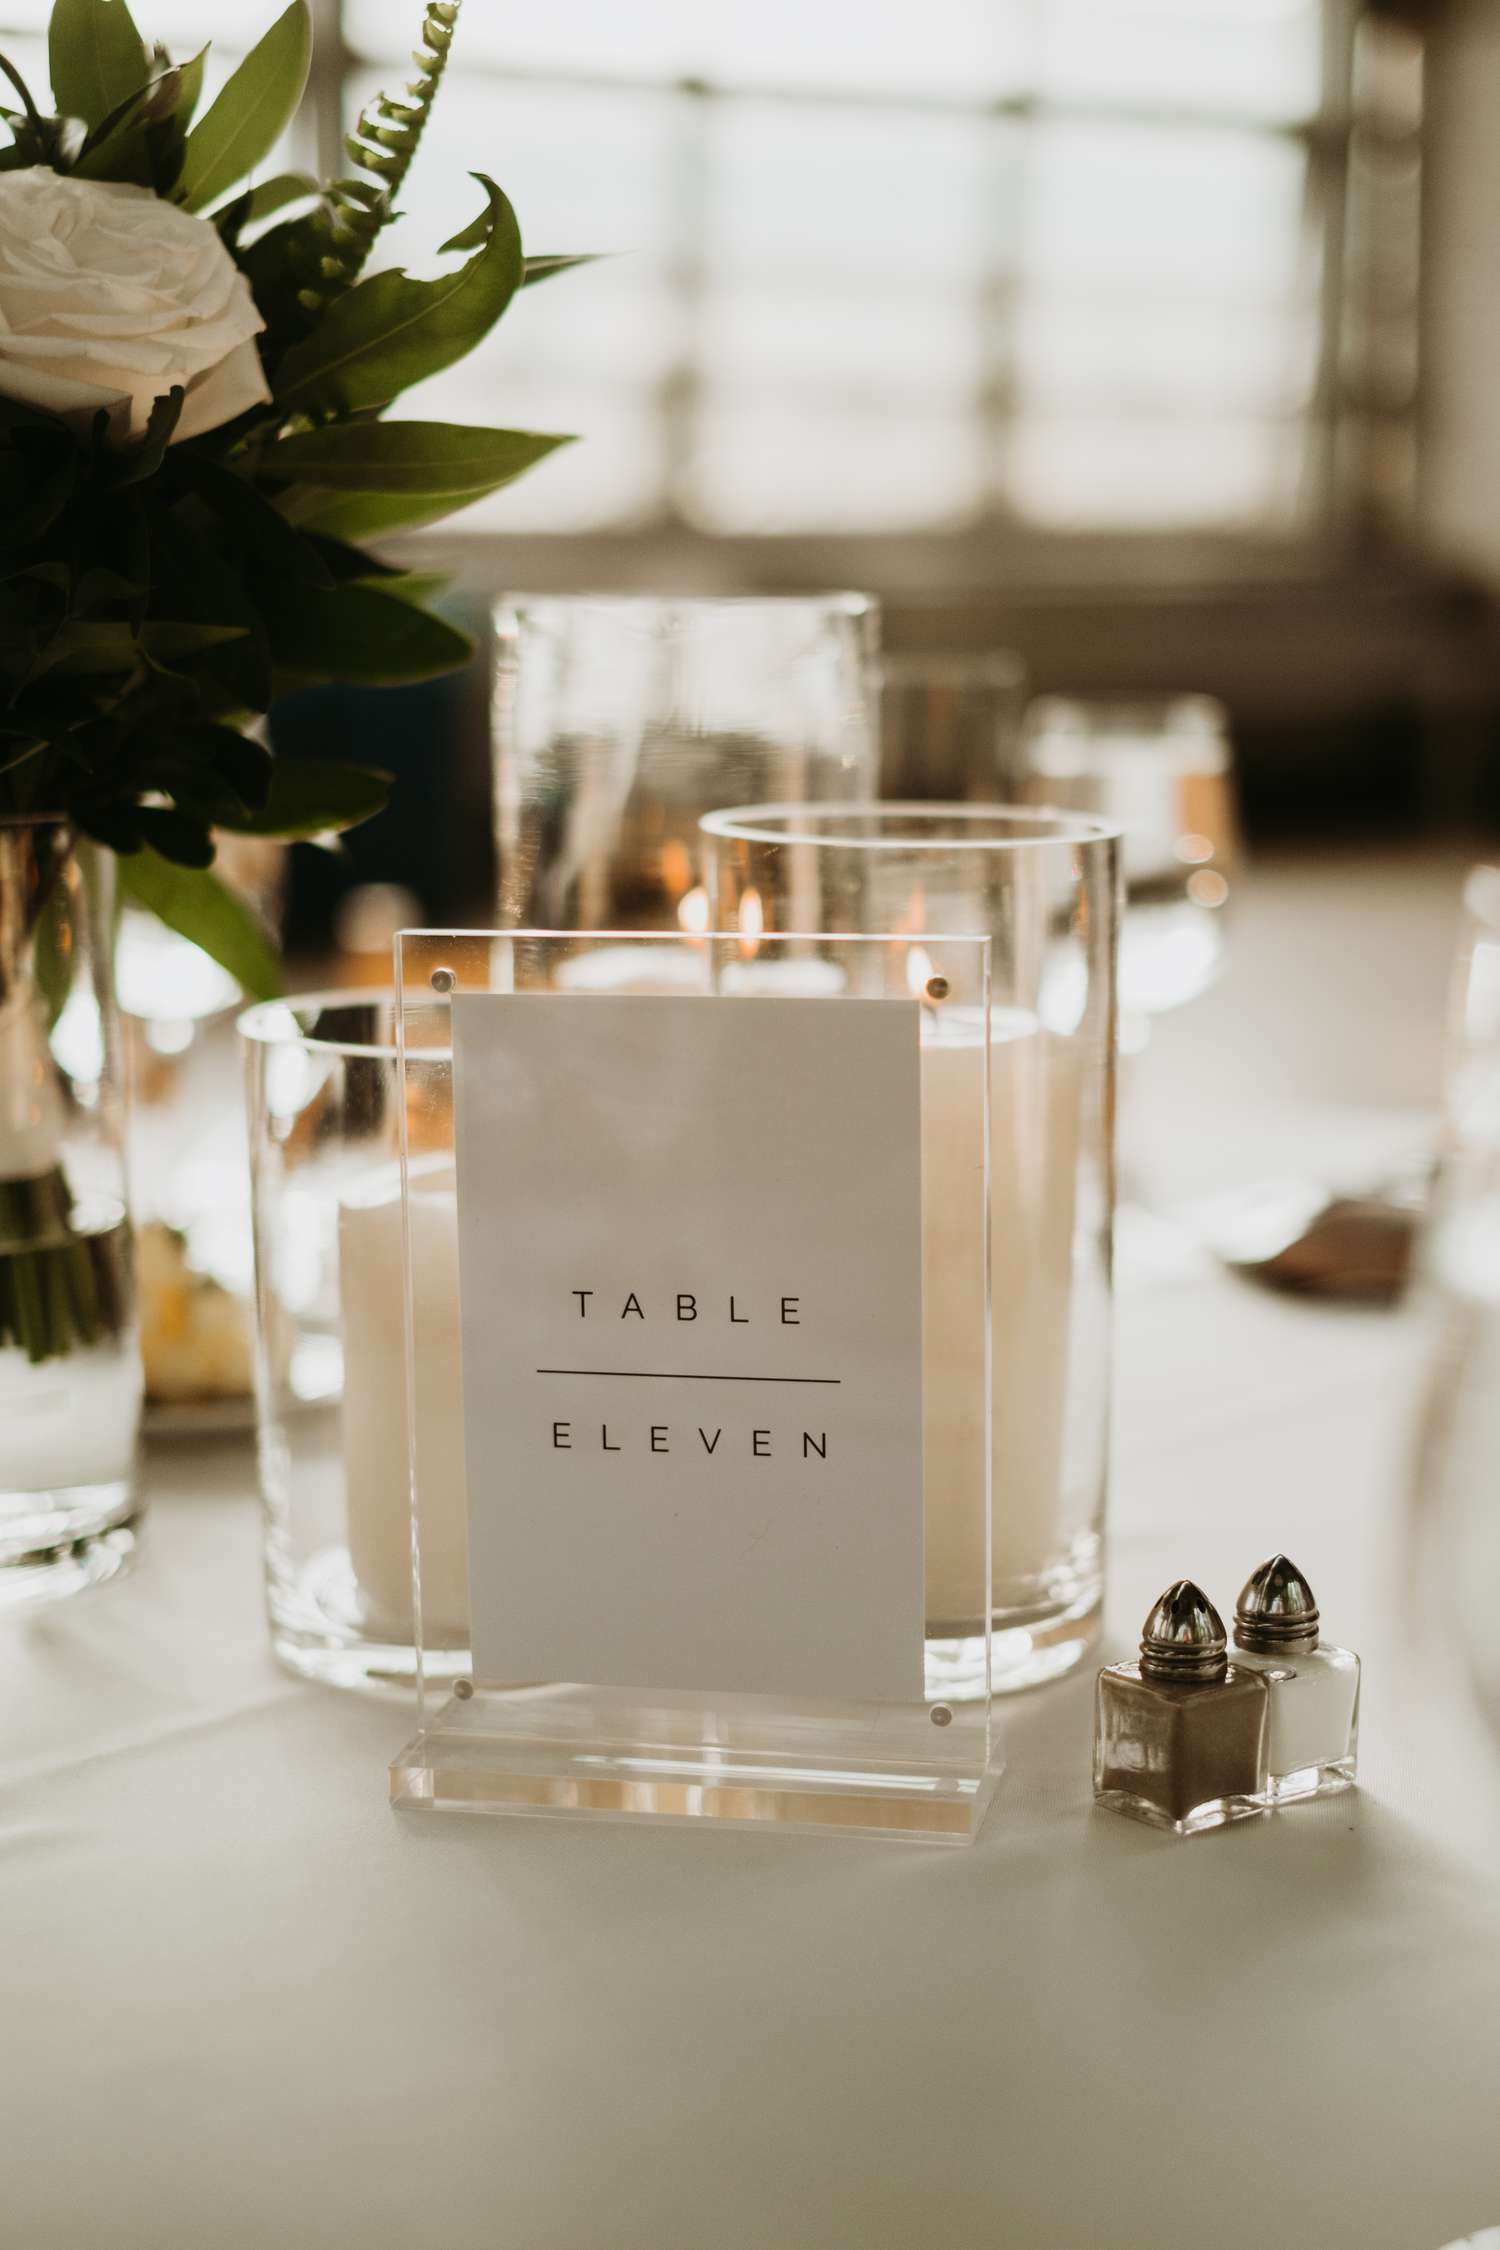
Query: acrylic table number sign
point(688, 1458)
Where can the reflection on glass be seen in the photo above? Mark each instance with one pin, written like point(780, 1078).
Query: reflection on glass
point(1163, 772)
point(950, 725)
point(619, 722)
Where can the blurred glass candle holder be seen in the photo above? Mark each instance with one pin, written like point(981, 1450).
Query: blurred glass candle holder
point(1160, 769)
point(950, 724)
point(1044, 887)
point(322, 1095)
point(619, 720)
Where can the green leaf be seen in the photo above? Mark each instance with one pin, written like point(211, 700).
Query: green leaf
point(165, 639)
point(197, 905)
point(259, 532)
point(259, 202)
point(426, 458)
point(391, 331)
point(368, 515)
point(99, 586)
point(127, 146)
point(542, 269)
point(191, 88)
point(213, 769)
point(356, 632)
point(313, 797)
point(37, 479)
point(177, 836)
point(15, 749)
point(98, 58)
point(250, 115)
point(100, 649)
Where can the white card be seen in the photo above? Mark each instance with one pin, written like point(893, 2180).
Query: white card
point(691, 1305)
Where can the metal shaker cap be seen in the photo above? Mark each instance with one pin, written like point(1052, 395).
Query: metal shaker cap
point(1276, 1614)
point(1184, 1637)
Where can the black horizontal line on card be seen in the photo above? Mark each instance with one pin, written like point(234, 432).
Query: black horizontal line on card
point(680, 1375)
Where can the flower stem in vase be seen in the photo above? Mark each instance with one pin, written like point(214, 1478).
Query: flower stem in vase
point(61, 1284)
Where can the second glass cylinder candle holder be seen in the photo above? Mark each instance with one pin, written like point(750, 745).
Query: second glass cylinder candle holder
point(619, 720)
point(1044, 887)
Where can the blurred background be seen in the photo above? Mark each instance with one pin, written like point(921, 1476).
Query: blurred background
point(1151, 339)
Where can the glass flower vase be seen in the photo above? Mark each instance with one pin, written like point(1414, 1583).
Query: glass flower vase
point(70, 1381)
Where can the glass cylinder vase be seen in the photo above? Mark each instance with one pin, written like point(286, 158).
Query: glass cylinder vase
point(619, 721)
point(323, 1109)
point(1044, 887)
point(70, 1380)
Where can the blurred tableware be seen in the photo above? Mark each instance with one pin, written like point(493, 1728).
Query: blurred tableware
point(70, 1378)
point(1469, 1155)
point(1297, 1236)
point(950, 725)
point(618, 721)
point(1361, 1244)
point(1162, 772)
point(1044, 888)
point(364, 930)
point(322, 1094)
point(1160, 769)
point(1456, 1515)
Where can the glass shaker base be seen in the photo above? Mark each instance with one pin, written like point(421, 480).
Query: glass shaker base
point(1217, 1812)
point(61, 1542)
point(1324, 1780)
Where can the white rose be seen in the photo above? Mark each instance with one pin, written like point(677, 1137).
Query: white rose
point(109, 296)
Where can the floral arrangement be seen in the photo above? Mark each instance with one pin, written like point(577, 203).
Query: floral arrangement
point(193, 376)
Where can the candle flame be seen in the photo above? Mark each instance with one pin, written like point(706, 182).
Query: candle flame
point(676, 867)
point(918, 970)
point(692, 911)
point(752, 923)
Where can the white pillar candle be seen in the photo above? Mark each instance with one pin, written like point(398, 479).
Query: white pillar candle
point(662, 969)
point(1034, 1117)
point(377, 1481)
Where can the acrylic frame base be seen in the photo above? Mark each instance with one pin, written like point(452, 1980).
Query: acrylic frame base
point(599, 1753)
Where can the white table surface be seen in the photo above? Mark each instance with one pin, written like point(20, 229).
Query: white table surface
point(242, 2003)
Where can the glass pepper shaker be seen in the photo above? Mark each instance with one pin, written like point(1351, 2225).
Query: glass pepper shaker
point(1180, 1733)
point(1313, 1724)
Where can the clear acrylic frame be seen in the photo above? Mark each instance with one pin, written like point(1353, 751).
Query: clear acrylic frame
point(921, 1768)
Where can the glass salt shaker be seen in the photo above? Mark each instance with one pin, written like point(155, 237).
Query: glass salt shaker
point(1313, 1721)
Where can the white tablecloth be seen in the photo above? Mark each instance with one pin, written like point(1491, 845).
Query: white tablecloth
point(243, 2004)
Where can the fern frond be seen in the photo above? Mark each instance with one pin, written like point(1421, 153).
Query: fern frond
point(297, 269)
point(382, 146)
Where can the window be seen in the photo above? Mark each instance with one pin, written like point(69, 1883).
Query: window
point(944, 268)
